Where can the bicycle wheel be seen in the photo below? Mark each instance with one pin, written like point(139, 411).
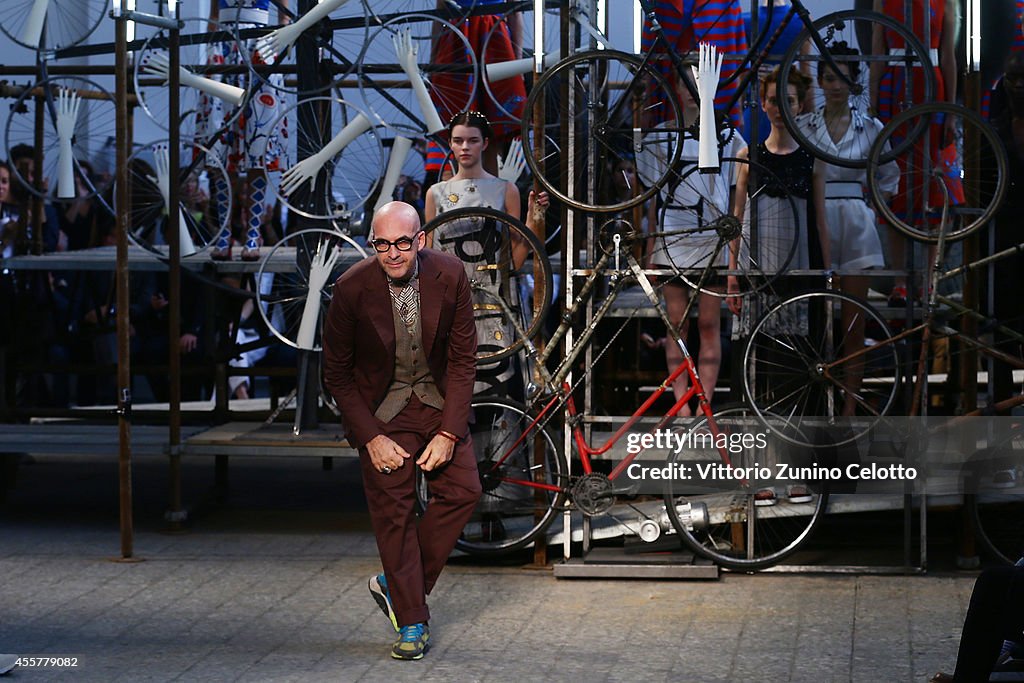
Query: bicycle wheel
point(334, 161)
point(284, 291)
point(201, 219)
point(998, 520)
point(382, 11)
point(960, 182)
point(909, 68)
point(67, 22)
point(723, 518)
point(610, 97)
point(95, 124)
point(513, 461)
point(508, 271)
point(697, 226)
point(821, 359)
point(994, 494)
point(445, 61)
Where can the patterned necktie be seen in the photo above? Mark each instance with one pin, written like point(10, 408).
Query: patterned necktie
point(406, 302)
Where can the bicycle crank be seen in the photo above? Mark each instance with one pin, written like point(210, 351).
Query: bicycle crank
point(592, 493)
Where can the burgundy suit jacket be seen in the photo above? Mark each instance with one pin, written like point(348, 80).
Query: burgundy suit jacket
point(359, 342)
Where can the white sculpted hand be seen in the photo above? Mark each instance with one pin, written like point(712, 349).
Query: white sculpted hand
point(512, 168)
point(159, 65)
point(308, 168)
point(67, 117)
point(163, 182)
point(406, 51)
point(319, 271)
point(707, 72)
point(279, 40)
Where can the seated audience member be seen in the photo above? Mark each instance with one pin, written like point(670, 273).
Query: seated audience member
point(995, 614)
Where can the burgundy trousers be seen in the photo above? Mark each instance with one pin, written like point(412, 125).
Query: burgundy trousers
point(413, 554)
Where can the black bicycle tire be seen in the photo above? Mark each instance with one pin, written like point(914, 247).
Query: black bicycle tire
point(264, 303)
point(503, 116)
point(551, 510)
point(562, 70)
point(755, 283)
point(994, 144)
point(542, 273)
point(985, 535)
point(996, 511)
point(768, 413)
point(721, 557)
point(913, 44)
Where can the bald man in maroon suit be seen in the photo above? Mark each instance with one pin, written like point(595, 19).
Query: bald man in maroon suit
point(400, 360)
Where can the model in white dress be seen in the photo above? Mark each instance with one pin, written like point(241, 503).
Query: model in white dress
point(475, 243)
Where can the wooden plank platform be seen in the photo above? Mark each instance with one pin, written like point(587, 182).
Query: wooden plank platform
point(276, 440)
point(139, 259)
point(611, 563)
point(72, 437)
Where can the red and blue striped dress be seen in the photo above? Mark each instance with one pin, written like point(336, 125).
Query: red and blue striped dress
point(892, 95)
point(893, 98)
point(687, 23)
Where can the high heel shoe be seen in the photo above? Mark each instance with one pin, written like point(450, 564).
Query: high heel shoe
point(251, 250)
point(219, 254)
point(250, 253)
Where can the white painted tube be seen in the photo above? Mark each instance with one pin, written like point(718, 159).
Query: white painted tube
point(499, 71)
point(65, 170)
point(310, 315)
point(185, 244)
point(32, 31)
point(231, 94)
point(399, 153)
point(356, 127)
point(707, 151)
point(430, 115)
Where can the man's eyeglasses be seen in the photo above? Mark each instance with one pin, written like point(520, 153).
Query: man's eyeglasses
point(401, 244)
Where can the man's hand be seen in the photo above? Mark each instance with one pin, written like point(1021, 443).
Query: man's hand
point(188, 342)
point(385, 453)
point(437, 453)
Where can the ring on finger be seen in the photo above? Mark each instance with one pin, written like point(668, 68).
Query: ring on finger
point(385, 469)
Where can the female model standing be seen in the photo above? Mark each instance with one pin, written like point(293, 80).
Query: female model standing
point(683, 246)
point(796, 173)
point(854, 238)
point(472, 186)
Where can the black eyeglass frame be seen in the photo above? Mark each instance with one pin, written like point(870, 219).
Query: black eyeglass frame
point(397, 244)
